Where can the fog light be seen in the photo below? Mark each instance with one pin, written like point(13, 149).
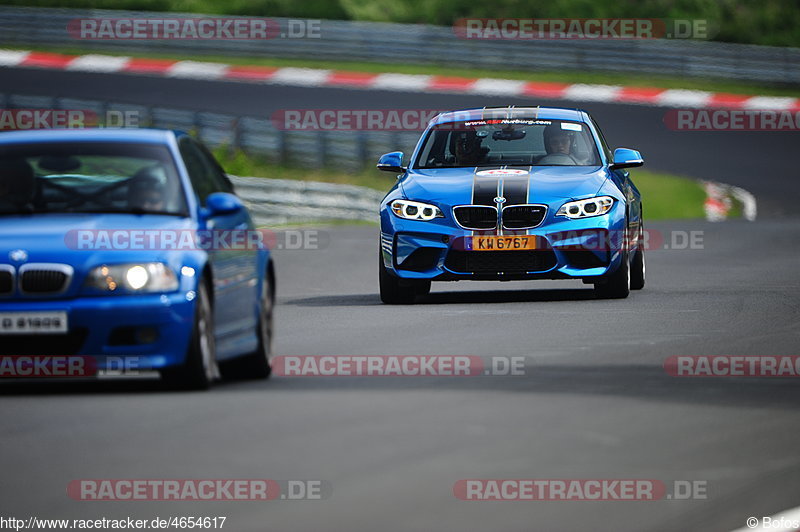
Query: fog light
point(146, 335)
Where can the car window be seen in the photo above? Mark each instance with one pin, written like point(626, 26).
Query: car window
point(513, 142)
point(89, 176)
point(202, 174)
point(603, 142)
point(221, 180)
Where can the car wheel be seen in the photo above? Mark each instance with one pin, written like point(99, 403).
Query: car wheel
point(256, 364)
point(395, 291)
point(200, 368)
point(618, 284)
point(422, 288)
point(638, 268)
point(638, 265)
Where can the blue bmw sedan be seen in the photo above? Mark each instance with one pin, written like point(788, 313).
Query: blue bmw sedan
point(130, 245)
point(511, 193)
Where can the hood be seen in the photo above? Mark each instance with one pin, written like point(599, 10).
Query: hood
point(54, 237)
point(456, 186)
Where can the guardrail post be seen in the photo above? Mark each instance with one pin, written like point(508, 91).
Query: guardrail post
point(197, 124)
point(151, 118)
point(236, 136)
point(283, 149)
point(361, 149)
point(322, 149)
point(103, 119)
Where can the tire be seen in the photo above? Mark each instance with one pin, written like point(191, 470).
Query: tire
point(422, 288)
point(638, 270)
point(200, 368)
point(618, 284)
point(256, 364)
point(638, 266)
point(395, 291)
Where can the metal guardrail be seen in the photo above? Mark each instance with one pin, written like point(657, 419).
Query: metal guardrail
point(283, 201)
point(346, 150)
point(438, 45)
point(273, 201)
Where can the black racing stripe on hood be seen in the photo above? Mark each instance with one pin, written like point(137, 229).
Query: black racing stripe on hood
point(515, 189)
point(484, 189)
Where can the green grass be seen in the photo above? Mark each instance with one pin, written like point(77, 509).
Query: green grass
point(633, 80)
point(245, 165)
point(664, 196)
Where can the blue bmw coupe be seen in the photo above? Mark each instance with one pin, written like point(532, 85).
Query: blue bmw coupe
point(511, 193)
point(116, 245)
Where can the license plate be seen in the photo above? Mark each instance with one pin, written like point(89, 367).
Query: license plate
point(33, 322)
point(503, 243)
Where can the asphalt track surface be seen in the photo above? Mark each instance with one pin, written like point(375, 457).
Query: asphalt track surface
point(595, 401)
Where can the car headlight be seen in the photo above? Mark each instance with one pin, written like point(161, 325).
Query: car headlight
point(138, 278)
point(414, 210)
point(586, 208)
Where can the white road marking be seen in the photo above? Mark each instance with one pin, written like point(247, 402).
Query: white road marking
point(12, 57)
point(684, 98)
point(311, 77)
point(497, 87)
point(596, 93)
point(769, 102)
point(98, 63)
point(307, 77)
point(197, 70)
point(401, 82)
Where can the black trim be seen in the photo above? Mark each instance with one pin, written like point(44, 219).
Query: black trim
point(484, 190)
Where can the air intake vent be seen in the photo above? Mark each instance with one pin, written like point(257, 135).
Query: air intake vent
point(523, 216)
point(6, 280)
point(44, 279)
point(476, 217)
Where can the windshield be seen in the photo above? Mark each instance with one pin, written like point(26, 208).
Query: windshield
point(511, 142)
point(89, 177)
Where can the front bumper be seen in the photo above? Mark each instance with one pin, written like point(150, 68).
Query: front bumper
point(585, 249)
point(146, 331)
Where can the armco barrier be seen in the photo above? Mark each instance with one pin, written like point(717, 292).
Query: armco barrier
point(284, 201)
point(431, 45)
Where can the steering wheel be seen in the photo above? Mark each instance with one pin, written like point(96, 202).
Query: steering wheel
point(557, 159)
point(94, 196)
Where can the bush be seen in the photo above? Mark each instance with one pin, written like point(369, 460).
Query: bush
point(769, 22)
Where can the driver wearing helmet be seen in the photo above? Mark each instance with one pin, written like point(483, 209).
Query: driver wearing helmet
point(468, 149)
point(146, 191)
point(557, 140)
point(559, 144)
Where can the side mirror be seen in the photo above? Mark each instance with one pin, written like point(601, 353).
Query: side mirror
point(626, 158)
point(392, 162)
point(222, 203)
